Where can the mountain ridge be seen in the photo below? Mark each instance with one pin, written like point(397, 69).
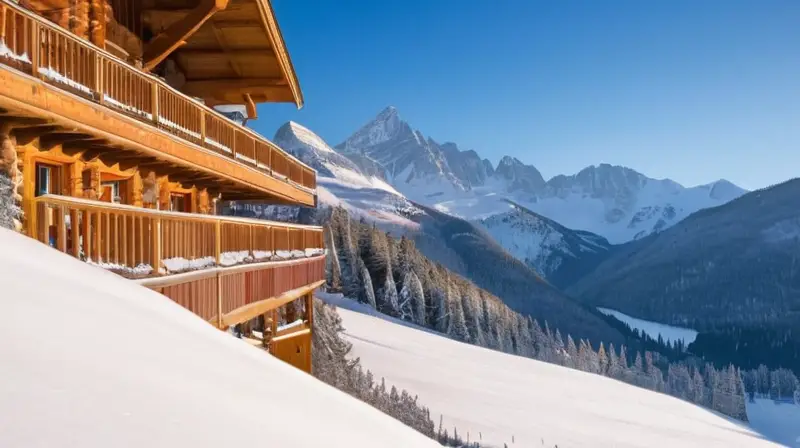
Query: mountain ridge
point(613, 201)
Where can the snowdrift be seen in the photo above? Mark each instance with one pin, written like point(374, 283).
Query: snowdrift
point(93, 360)
point(501, 398)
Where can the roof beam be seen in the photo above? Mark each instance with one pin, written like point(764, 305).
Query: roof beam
point(238, 55)
point(243, 86)
point(252, 112)
point(176, 34)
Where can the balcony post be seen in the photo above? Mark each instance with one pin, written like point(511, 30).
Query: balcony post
point(156, 240)
point(218, 240)
point(36, 48)
point(218, 278)
point(202, 127)
point(154, 101)
point(98, 81)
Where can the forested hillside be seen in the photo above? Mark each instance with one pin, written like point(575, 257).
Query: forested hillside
point(393, 277)
point(469, 250)
point(734, 264)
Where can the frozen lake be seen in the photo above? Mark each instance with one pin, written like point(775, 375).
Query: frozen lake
point(653, 329)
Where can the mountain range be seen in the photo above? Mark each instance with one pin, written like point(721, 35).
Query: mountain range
point(616, 202)
point(388, 171)
point(737, 264)
point(457, 244)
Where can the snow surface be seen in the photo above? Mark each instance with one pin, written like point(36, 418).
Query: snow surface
point(122, 366)
point(653, 329)
point(652, 207)
point(8, 53)
point(779, 421)
point(343, 184)
point(501, 396)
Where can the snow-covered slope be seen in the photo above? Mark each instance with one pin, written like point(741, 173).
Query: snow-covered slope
point(615, 202)
point(501, 398)
point(559, 254)
point(90, 359)
point(353, 184)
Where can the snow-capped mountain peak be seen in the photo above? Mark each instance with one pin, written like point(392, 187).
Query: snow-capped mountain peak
point(614, 201)
point(353, 180)
point(384, 127)
point(300, 135)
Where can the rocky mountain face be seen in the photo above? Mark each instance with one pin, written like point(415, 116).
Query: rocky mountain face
point(734, 264)
point(558, 254)
point(519, 177)
point(613, 201)
point(354, 181)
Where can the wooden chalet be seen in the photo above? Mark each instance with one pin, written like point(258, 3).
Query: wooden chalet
point(110, 130)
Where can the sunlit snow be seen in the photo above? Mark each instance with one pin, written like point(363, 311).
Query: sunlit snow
point(93, 360)
point(502, 397)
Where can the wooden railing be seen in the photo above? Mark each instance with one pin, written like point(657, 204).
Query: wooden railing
point(137, 242)
point(44, 50)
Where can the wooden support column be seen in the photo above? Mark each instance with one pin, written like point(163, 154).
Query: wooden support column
point(137, 190)
point(203, 203)
point(176, 34)
point(97, 23)
point(79, 18)
point(163, 194)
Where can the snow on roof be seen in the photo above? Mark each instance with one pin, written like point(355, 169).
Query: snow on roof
point(93, 360)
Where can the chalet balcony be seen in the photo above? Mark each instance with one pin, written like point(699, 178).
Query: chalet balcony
point(53, 83)
point(226, 270)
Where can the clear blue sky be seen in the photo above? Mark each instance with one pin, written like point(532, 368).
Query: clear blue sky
point(690, 90)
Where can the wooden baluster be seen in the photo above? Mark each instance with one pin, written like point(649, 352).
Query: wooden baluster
point(74, 233)
point(96, 256)
point(218, 240)
point(123, 240)
point(155, 239)
point(154, 100)
point(107, 233)
point(62, 228)
point(87, 237)
point(141, 238)
point(131, 240)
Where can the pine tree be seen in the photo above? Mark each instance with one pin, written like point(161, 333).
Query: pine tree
point(458, 326)
point(602, 360)
point(333, 270)
point(412, 299)
point(525, 337)
point(366, 293)
point(472, 314)
point(439, 309)
point(486, 323)
point(699, 387)
point(389, 303)
point(572, 353)
point(614, 368)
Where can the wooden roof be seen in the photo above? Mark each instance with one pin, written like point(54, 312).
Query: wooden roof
point(239, 51)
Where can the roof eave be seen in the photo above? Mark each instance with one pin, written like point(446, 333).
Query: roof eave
point(279, 47)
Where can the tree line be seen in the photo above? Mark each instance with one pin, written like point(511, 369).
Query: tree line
point(391, 276)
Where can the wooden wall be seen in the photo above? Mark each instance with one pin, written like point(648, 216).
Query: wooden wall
point(114, 25)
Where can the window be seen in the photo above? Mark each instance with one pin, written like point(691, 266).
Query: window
point(47, 178)
point(111, 192)
point(179, 202)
